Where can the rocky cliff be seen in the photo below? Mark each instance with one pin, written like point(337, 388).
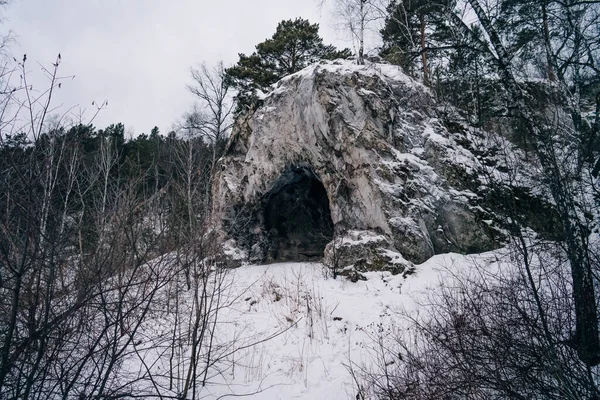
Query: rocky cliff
point(358, 164)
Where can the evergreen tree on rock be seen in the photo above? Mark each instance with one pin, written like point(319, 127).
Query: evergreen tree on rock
point(413, 29)
point(295, 45)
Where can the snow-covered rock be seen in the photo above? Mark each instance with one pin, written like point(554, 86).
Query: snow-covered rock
point(390, 162)
point(362, 251)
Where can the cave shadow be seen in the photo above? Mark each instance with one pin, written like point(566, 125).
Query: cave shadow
point(297, 216)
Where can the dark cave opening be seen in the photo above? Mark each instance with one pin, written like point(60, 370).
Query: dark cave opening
point(297, 216)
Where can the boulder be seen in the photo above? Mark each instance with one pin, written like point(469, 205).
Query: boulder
point(337, 149)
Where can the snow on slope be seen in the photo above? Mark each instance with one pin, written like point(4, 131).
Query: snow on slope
point(288, 331)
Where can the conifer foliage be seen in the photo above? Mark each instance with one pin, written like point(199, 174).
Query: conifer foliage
point(295, 45)
point(413, 29)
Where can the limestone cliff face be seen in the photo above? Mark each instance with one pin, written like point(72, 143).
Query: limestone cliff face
point(357, 159)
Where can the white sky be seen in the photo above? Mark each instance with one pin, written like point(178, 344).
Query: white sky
point(136, 54)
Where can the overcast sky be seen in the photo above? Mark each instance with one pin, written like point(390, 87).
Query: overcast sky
point(136, 54)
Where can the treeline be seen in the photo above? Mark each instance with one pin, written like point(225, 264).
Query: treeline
point(89, 169)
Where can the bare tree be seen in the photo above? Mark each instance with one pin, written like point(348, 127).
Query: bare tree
point(356, 18)
point(489, 334)
point(212, 117)
point(84, 274)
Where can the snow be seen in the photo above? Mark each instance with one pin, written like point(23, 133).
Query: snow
point(232, 251)
point(230, 183)
point(290, 331)
point(393, 189)
point(354, 238)
point(430, 134)
point(387, 72)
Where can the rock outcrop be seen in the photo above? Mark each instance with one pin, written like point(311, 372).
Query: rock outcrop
point(357, 164)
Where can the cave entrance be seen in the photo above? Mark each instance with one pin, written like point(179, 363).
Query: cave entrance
point(297, 216)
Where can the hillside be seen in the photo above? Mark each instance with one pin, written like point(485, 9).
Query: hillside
point(290, 331)
point(404, 204)
point(359, 239)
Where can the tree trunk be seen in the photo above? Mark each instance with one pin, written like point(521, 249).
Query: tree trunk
point(547, 44)
point(361, 34)
point(423, 52)
point(594, 142)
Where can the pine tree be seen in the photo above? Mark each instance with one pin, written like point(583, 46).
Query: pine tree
point(413, 28)
point(295, 45)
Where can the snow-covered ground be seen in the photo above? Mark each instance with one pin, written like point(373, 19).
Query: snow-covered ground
point(290, 331)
